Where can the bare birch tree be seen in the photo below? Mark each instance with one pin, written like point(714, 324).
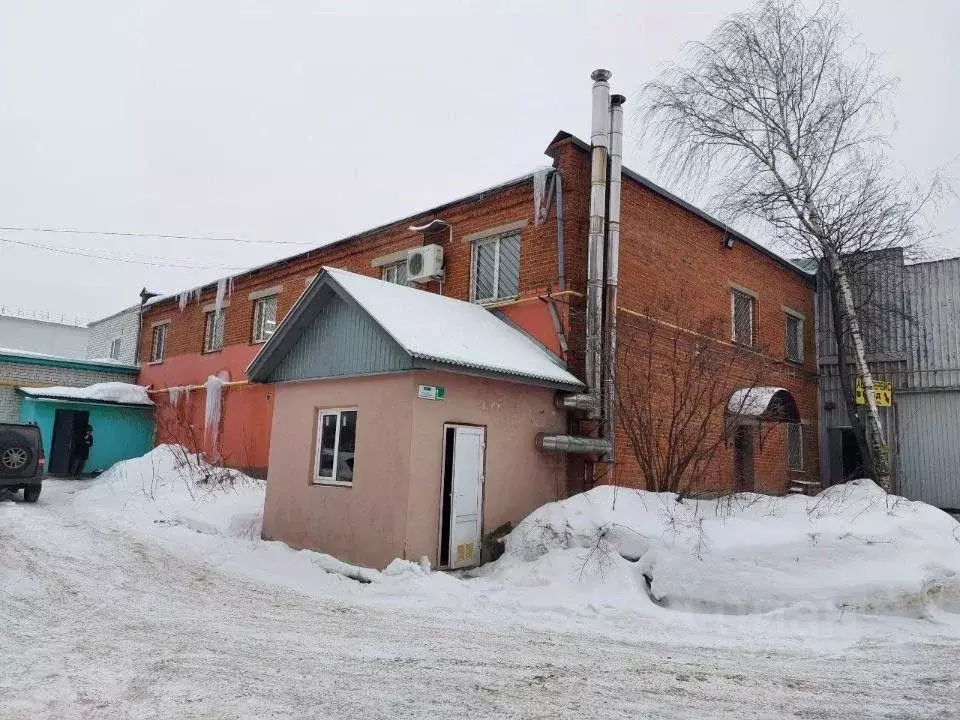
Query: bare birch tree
point(783, 106)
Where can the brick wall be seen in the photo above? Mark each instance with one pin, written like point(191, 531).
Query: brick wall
point(672, 257)
point(15, 374)
point(102, 333)
point(666, 252)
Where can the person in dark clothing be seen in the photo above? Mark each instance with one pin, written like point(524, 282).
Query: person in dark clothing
point(81, 452)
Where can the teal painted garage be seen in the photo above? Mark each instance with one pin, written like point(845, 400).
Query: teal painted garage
point(121, 430)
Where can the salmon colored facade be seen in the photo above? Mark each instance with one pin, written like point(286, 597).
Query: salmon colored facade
point(393, 508)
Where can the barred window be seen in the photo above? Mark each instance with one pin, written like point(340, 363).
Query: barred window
point(115, 349)
point(794, 338)
point(396, 273)
point(213, 331)
point(794, 446)
point(264, 318)
point(742, 316)
point(496, 268)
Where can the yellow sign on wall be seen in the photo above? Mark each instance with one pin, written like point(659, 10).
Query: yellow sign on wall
point(882, 389)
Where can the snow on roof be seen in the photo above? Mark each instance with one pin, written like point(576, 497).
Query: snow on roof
point(433, 327)
point(752, 402)
point(16, 352)
point(113, 392)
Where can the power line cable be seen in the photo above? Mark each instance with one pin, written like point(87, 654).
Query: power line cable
point(74, 231)
point(82, 253)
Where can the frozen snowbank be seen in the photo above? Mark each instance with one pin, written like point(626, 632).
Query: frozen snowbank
point(169, 486)
point(117, 392)
point(850, 548)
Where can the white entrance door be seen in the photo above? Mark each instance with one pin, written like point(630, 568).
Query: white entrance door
point(466, 505)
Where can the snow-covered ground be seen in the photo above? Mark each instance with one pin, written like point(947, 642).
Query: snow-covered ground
point(146, 594)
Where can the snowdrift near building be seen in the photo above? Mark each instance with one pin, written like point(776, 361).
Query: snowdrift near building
point(851, 548)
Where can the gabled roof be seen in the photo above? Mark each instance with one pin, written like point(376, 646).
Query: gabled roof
point(435, 332)
point(664, 193)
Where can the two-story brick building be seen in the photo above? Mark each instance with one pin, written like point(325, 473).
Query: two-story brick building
point(520, 249)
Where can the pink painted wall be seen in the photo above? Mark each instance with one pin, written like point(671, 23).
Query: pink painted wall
point(362, 524)
point(519, 478)
point(393, 508)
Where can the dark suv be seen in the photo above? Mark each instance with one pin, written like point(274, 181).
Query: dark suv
point(21, 460)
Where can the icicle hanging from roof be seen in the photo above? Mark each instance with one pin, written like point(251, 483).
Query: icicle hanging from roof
point(211, 415)
point(539, 189)
point(221, 295)
point(176, 394)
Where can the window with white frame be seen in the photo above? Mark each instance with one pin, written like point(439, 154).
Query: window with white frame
point(213, 331)
point(264, 318)
point(794, 446)
point(115, 349)
point(158, 343)
point(396, 273)
point(793, 342)
point(496, 268)
point(336, 447)
point(742, 311)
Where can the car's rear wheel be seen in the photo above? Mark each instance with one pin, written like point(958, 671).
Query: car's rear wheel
point(31, 493)
point(14, 456)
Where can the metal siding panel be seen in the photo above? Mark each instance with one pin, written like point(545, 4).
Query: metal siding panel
point(929, 447)
point(934, 289)
point(341, 341)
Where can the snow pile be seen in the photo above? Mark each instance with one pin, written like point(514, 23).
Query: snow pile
point(169, 486)
point(115, 392)
point(851, 548)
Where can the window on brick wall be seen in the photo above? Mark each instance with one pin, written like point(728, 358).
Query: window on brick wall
point(264, 318)
point(793, 342)
point(742, 317)
point(396, 273)
point(794, 446)
point(213, 331)
point(115, 349)
point(158, 344)
point(496, 268)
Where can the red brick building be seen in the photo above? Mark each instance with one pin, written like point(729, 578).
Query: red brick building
point(530, 264)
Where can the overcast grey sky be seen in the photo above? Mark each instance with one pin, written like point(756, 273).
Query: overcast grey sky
point(305, 120)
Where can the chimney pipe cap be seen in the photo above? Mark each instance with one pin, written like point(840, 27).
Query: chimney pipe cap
point(600, 75)
point(617, 99)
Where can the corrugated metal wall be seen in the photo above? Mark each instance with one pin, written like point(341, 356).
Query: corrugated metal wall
point(912, 333)
point(930, 447)
point(341, 341)
point(934, 289)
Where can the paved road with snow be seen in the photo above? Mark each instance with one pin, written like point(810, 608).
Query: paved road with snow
point(96, 622)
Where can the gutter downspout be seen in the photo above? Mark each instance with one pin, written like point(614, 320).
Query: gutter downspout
point(613, 276)
point(561, 271)
point(600, 140)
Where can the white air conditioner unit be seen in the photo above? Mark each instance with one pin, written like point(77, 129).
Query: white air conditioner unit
point(425, 264)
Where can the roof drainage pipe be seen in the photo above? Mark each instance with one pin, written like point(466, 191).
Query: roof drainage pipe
point(613, 276)
point(600, 141)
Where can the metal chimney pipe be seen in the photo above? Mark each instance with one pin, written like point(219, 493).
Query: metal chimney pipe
point(600, 140)
point(613, 275)
point(572, 444)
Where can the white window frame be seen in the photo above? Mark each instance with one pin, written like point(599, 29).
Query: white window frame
point(474, 254)
point(208, 340)
point(394, 266)
point(788, 315)
point(799, 427)
point(115, 343)
point(318, 438)
point(157, 357)
point(734, 291)
point(259, 329)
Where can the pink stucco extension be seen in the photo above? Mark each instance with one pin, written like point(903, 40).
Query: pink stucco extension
point(393, 508)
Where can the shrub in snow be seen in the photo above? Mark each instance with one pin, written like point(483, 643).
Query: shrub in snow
point(172, 486)
point(853, 547)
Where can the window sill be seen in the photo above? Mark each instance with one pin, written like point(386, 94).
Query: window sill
point(333, 483)
point(795, 363)
point(496, 302)
point(155, 362)
point(211, 352)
